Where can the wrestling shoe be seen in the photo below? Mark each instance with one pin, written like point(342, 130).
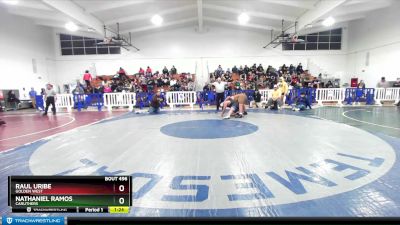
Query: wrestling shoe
point(227, 117)
point(245, 113)
point(239, 116)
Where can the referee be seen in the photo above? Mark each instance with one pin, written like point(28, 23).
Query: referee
point(50, 99)
point(220, 89)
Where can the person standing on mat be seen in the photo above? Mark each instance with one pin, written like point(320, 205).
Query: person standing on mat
point(50, 95)
point(220, 90)
point(32, 96)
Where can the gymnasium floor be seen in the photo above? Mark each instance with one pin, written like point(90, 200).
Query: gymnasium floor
point(327, 161)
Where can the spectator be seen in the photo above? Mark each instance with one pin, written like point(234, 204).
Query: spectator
point(148, 71)
point(219, 71)
point(141, 71)
point(257, 99)
point(397, 83)
point(155, 103)
point(165, 71)
point(254, 68)
point(32, 96)
point(241, 70)
point(220, 90)
point(24, 95)
point(107, 89)
point(291, 69)
point(260, 68)
point(87, 78)
point(361, 84)
point(275, 101)
point(235, 69)
point(299, 69)
point(329, 84)
point(12, 100)
point(122, 75)
point(246, 70)
point(206, 87)
point(383, 83)
point(173, 70)
point(78, 90)
point(50, 99)
point(174, 84)
point(301, 103)
point(191, 85)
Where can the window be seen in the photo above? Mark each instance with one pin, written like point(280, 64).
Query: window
point(78, 45)
point(324, 40)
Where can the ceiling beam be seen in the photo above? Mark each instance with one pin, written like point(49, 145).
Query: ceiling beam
point(250, 13)
point(34, 5)
point(149, 15)
point(255, 26)
point(74, 11)
point(56, 24)
point(200, 15)
point(296, 4)
point(321, 9)
point(342, 19)
point(152, 27)
point(40, 14)
point(367, 6)
point(115, 4)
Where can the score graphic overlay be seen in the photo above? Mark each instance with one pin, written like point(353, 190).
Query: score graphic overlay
point(69, 194)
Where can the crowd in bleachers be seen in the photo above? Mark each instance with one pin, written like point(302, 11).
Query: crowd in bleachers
point(145, 80)
point(258, 77)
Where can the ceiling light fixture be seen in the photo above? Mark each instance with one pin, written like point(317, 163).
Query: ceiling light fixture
point(157, 20)
point(328, 21)
point(243, 18)
point(71, 26)
point(11, 2)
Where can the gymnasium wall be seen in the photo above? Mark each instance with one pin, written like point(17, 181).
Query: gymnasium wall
point(194, 52)
point(23, 44)
point(378, 36)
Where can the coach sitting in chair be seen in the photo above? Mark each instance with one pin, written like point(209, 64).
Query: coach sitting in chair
point(276, 100)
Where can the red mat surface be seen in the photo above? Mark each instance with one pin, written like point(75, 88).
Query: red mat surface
point(23, 128)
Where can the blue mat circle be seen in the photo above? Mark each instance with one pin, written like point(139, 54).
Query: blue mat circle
point(208, 129)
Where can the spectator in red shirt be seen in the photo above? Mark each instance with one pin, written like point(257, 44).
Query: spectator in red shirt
point(121, 71)
point(148, 71)
point(141, 71)
point(122, 75)
point(87, 77)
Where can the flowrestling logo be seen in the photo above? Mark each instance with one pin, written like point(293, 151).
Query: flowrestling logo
point(173, 173)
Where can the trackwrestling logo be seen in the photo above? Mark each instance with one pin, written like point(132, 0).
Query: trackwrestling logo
point(33, 220)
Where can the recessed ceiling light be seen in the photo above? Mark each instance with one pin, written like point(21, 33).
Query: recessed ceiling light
point(157, 20)
point(309, 26)
point(328, 21)
point(11, 2)
point(243, 18)
point(71, 26)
